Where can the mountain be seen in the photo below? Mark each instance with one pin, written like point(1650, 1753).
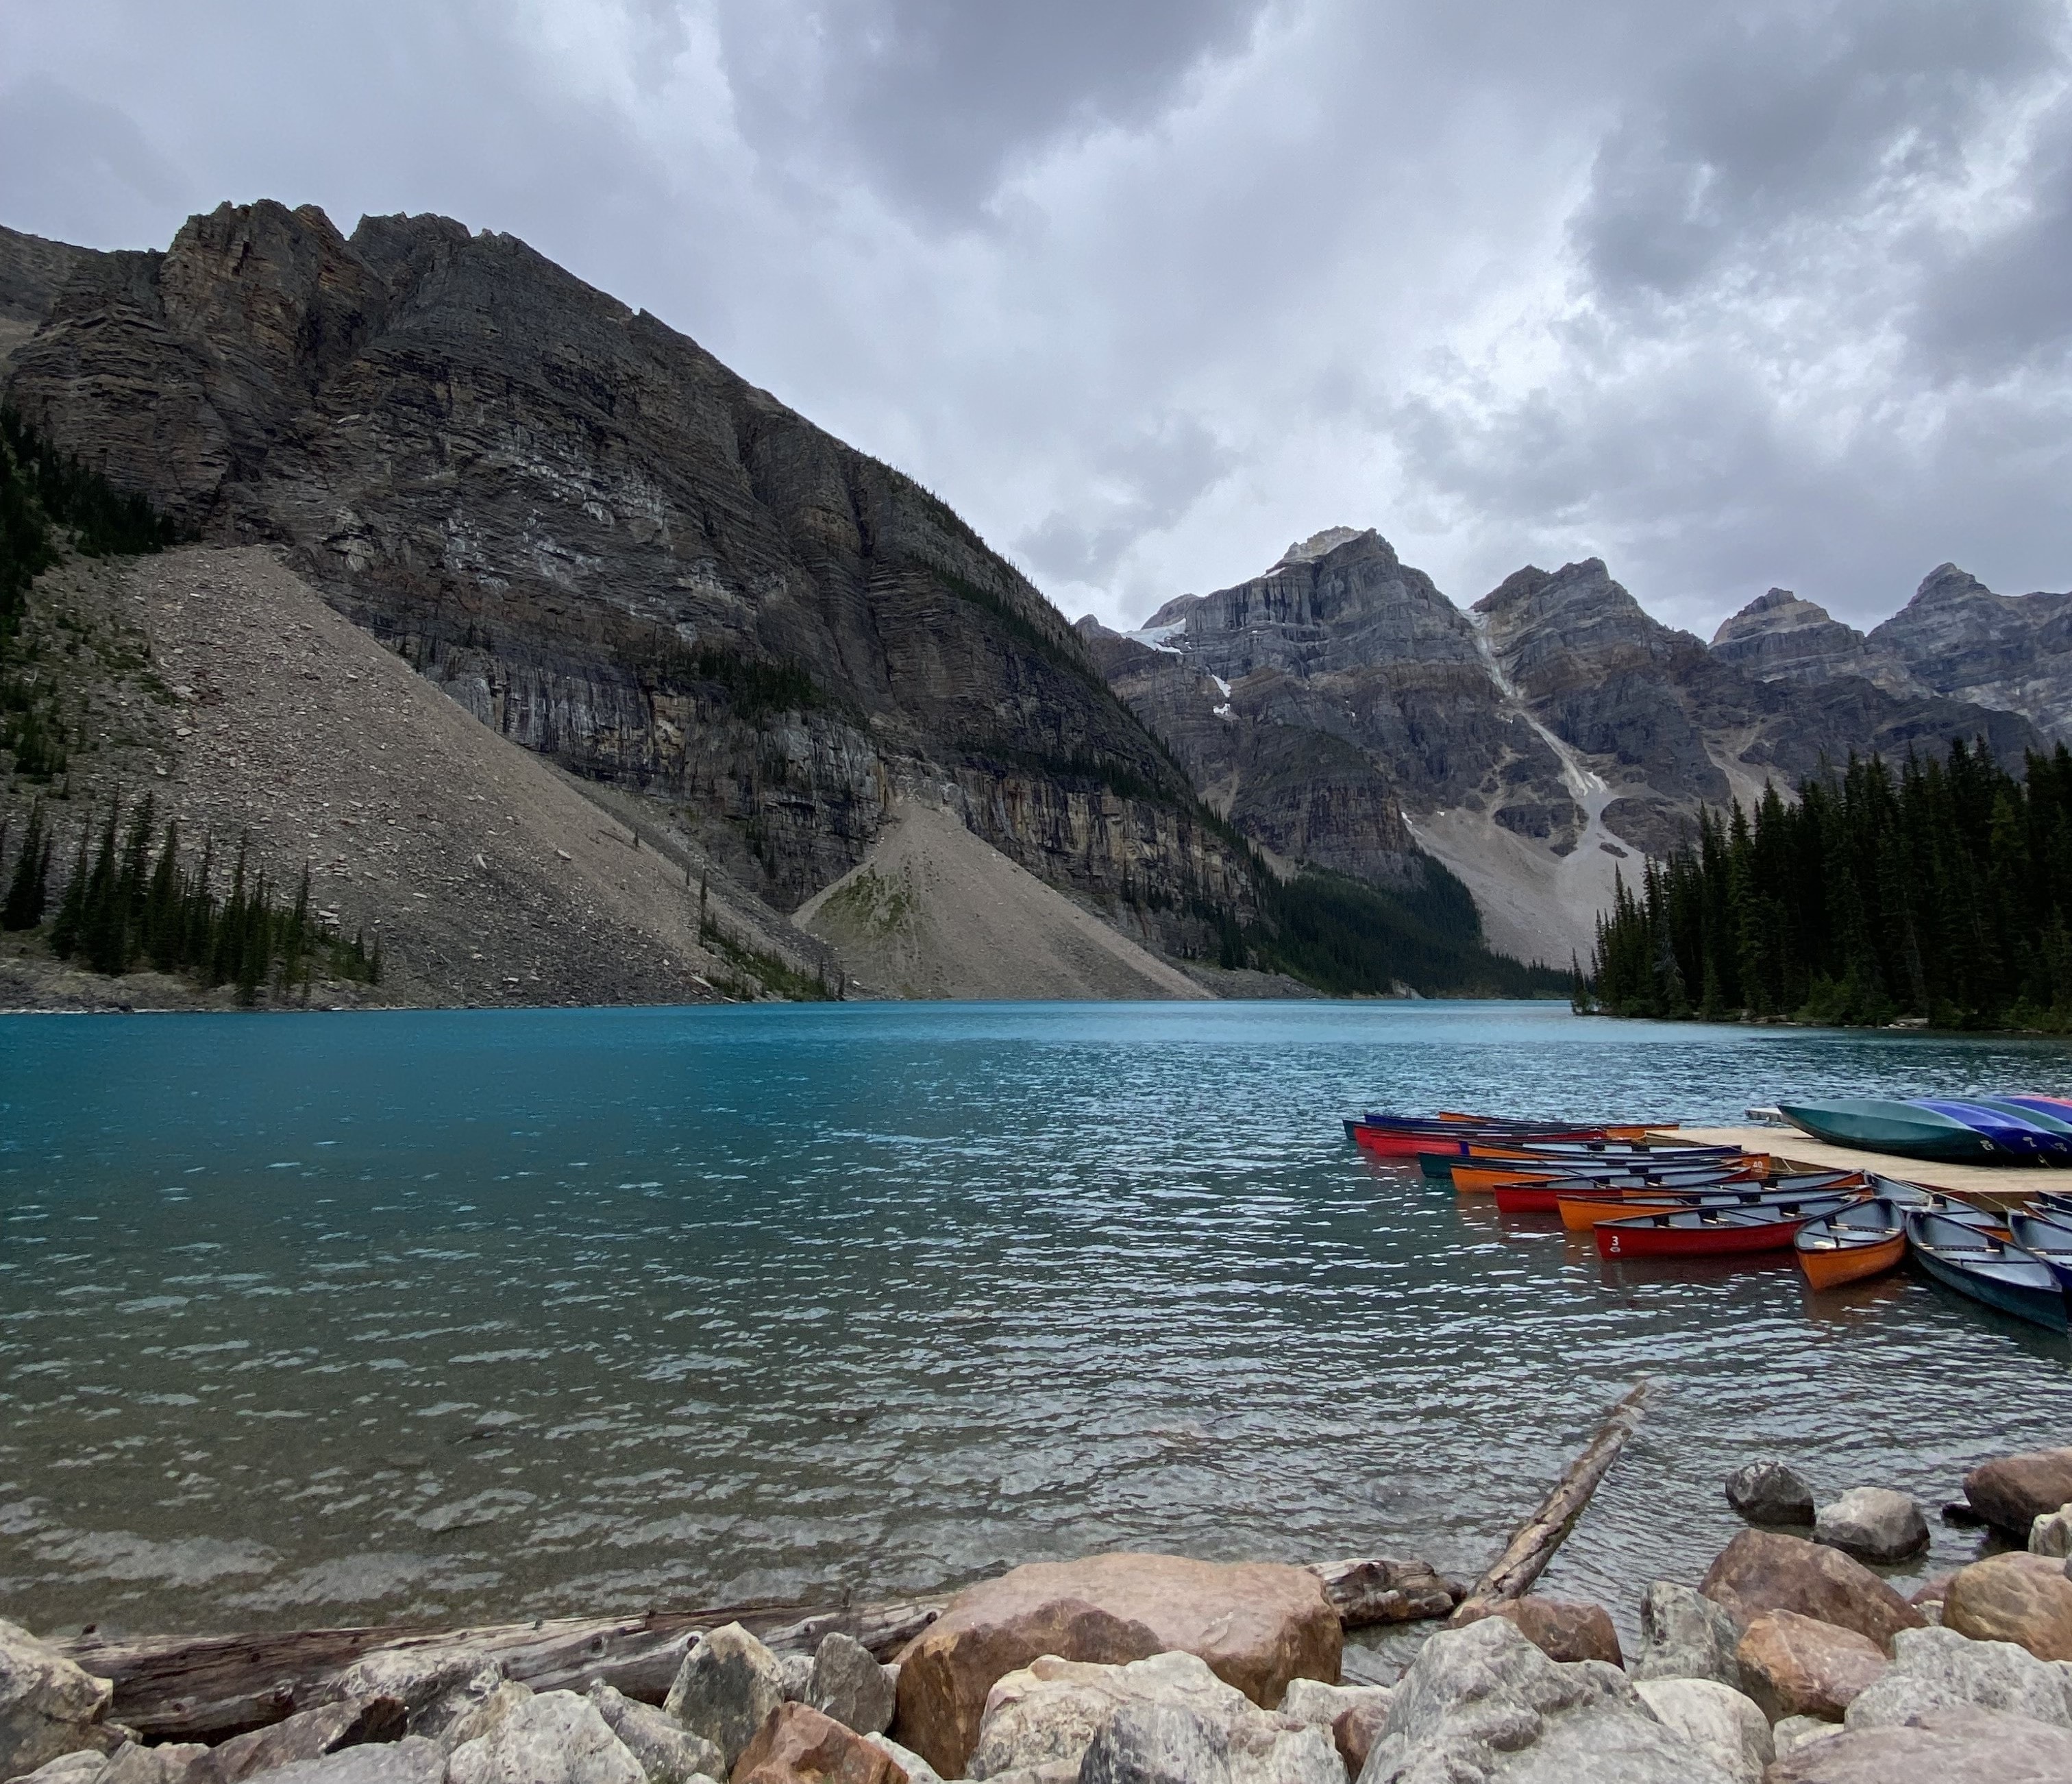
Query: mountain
point(1778, 637)
point(609, 547)
point(1532, 743)
point(2013, 652)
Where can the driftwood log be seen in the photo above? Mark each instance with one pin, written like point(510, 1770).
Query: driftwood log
point(1532, 1545)
point(209, 1687)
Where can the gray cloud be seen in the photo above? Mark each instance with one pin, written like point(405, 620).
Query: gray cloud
point(1728, 298)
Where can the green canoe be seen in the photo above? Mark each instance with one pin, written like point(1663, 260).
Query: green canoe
point(1876, 1126)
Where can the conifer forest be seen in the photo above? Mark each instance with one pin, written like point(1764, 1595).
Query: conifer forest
point(1940, 891)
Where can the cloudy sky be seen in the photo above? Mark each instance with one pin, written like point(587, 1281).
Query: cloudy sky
point(1729, 295)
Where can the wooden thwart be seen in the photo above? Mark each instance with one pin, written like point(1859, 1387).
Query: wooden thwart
point(1532, 1545)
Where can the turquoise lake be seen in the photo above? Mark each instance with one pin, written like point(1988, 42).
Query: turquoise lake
point(466, 1315)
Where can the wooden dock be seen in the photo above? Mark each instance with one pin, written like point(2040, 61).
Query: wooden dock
point(1987, 1185)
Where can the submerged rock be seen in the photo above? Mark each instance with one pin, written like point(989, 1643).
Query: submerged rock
point(1257, 1626)
point(1762, 1570)
point(725, 1689)
point(1482, 1705)
point(2020, 1597)
point(1727, 1726)
point(1767, 1492)
point(1873, 1524)
point(49, 1706)
point(1684, 1635)
point(1798, 1665)
point(2012, 1491)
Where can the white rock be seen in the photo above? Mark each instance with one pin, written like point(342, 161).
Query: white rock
point(796, 1671)
point(454, 1718)
point(1937, 1669)
point(2051, 1534)
point(554, 1737)
point(1158, 1741)
point(1050, 1711)
point(849, 1685)
point(47, 1705)
point(1715, 1719)
point(918, 1769)
point(1312, 1701)
point(1482, 1704)
point(412, 1760)
point(1795, 1730)
point(1684, 1635)
point(1873, 1524)
point(668, 1752)
point(83, 1765)
point(725, 1689)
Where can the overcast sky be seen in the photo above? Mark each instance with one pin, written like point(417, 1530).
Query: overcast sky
point(1729, 296)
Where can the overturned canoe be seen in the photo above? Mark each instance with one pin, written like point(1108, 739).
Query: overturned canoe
point(1877, 1125)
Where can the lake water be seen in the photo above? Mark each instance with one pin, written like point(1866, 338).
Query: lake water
point(472, 1315)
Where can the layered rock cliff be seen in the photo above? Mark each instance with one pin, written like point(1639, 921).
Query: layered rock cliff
point(607, 546)
point(2013, 652)
point(1778, 637)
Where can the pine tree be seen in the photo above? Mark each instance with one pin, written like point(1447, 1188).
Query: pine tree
point(23, 906)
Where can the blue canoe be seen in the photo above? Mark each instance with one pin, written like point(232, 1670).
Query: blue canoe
point(2009, 1129)
point(2002, 1276)
point(1877, 1125)
point(2050, 1240)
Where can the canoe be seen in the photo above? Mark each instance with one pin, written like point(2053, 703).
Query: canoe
point(2048, 1239)
point(1909, 1196)
point(1879, 1126)
point(2060, 1107)
point(2053, 1201)
point(1710, 1232)
point(1543, 1195)
point(2024, 1135)
point(2000, 1275)
point(1481, 1178)
point(1404, 1137)
point(1580, 1214)
point(1865, 1239)
point(2036, 1109)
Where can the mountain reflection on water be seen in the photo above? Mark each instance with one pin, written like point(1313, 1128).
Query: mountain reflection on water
point(474, 1314)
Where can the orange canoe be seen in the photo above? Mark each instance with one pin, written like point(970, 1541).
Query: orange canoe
point(1830, 1269)
point(1580, 1214)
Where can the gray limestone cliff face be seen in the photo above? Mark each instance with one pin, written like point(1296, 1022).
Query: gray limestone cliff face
point(1778, 637)
point(606, 544)
point(2009, 651)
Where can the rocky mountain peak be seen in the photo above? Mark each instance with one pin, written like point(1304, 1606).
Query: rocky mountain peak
point(1778, 637)
point(1946, 584)
point(2012, 652)
point(1321, 545)
point(1573, 621)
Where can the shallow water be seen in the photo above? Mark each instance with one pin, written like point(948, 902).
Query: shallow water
point(464, 1314)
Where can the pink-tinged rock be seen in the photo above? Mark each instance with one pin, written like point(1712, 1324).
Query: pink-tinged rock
point(1562, 1629)
point(2012, 1491)
point(800, 1745)
point(1257, 1624)
point(1797, 1666)
point(1763, 1571)
point(2022, 1598)
point(1945, 1746)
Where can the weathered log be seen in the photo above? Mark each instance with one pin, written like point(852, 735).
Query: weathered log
point(188, 1687)
point(208, 1687)
point(1532, 1545)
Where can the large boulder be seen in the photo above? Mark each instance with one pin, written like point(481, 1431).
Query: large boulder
point(435, 1686)
point(1482, 1705)
point(84, 1765)
point(49, 1706)
point(1873, 1524)
point(849, 1685)
point(668, 1751)
point(1797, 1666)
point(1767, 1492)
point(725, 1689)
point(2017, 1597)
point(1946, 1746)
point(556, 1737)
point(1562, 1629)
point(918, 1769)
point(1684, 1635)
point(799, 1745)
point(1159, 1742)
point(1939, 1669)
point(1257, 1624)
point(307, 1734)
point(1762, 1570)
point(2013, 1492)
point(1727, 1728)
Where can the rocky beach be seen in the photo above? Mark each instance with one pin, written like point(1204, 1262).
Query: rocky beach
point(1791, 1661)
